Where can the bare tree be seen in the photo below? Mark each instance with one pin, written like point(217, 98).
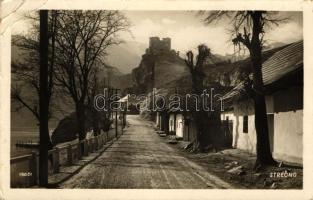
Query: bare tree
point(82, 41)
point(99, 119)
point(249, 30)
point(208, 134)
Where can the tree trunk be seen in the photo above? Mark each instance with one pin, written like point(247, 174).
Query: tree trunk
point(208, 123)
point(81, 118)
point(43, 100)
point(264, 155)
point(208, 135)
point(198, 143)
point(198, 116)
point(95, 121)
point(214, 124)
point(206, 126)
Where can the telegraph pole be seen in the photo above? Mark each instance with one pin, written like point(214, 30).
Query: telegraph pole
point(116, 116)
point(43, 99)
point(116, 124)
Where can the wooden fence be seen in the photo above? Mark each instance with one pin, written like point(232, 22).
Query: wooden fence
point(24, 169)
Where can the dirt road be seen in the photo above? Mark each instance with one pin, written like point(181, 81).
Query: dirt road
point(141, 159)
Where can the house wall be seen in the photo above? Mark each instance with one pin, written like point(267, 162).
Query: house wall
point(179, 125)
point(229, 114)
point(285, 108)
point(288, 136)
point(171, 122)
point(288, 124)
point(241, 140)
point(157, 120)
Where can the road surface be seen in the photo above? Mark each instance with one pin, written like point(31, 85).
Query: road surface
point(141, 159)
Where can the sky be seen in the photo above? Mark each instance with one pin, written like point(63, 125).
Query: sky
point(187, 30)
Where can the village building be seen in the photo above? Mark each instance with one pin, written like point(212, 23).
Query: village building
point(179, 125)
point(283, 80)
point(283, 83)
point(174, 121)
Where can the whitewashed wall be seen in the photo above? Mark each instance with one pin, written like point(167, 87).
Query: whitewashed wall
point(288, 132)
point(288, 127)
point(171, 122)
point(179, 125)
point(157, 120)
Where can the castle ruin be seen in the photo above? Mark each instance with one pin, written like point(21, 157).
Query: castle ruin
point(157, 46)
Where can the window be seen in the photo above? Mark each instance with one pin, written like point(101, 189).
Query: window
point(245, 124)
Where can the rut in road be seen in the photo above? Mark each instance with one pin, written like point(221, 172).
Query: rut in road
point(141, 159)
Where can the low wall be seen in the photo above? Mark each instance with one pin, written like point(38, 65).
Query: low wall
point(24, 169)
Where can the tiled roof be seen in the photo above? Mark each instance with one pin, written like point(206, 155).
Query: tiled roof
point(277, 66)
point(283, 62)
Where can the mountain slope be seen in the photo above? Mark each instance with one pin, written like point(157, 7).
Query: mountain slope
point(162, 71)
point(125, 56)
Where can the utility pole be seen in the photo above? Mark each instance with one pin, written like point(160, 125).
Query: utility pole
point(121, 117)
point(175, 112)
point(109, 102)
point(43, 100)
point(116, 116)
point(115, 112)
point(123, 112)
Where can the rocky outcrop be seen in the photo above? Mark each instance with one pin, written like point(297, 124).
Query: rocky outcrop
point(156, 71)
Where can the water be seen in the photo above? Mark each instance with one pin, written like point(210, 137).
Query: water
point(24, 134)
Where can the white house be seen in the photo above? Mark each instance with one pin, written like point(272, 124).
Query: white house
point(179, 125)
point(283, 81)
point(172, 122)
point(158, 120)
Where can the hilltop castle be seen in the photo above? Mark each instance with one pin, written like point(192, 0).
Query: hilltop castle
point(159, 65)
point(157, 46)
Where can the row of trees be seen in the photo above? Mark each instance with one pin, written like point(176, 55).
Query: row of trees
point(249, 31)
point(69, 47)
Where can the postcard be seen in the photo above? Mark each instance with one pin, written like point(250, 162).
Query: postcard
point(156, 99)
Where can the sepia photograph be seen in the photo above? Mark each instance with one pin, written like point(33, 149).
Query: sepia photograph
point(129, 99)
point(123, 99)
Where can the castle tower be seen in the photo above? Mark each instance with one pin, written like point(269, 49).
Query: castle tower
point(166, 43)
point(154, 43)
point(157, 46)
